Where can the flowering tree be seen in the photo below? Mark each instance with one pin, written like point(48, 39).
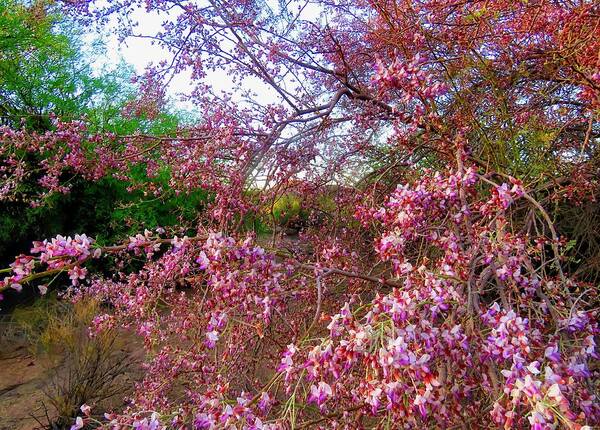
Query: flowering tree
point(440, 148)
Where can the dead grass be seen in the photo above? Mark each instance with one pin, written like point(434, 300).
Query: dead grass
point(69, 368)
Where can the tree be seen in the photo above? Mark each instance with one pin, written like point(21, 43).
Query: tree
point(46, 75)
point(442, 140)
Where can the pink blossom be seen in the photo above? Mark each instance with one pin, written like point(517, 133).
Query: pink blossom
point(78, 424)
point(320, 393)
point(203, 261)
point(77, 273)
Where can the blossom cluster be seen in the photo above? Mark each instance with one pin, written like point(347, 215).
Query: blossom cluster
point(59, 253)
point(427, 349)
point(61, 150)
point(410, 77)
point(465, 328)
point(223, 295)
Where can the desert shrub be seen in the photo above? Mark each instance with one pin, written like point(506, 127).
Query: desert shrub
point(38, 321)
point(82, 369)
point(93, 371)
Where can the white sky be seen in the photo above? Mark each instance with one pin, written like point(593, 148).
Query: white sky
point(140, 53)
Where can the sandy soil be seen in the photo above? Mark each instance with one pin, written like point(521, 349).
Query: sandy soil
point(22, 380)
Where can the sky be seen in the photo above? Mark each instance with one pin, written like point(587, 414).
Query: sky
point(140, 53)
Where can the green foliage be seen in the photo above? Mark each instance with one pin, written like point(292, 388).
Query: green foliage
point(43, 69)
point(134, 211)
point(25, 28)
point(105, 210)
point(287, 208)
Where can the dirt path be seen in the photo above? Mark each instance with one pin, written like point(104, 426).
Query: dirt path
point(22, 379)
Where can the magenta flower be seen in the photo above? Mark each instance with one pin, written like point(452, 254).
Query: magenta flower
point(78, 424)
point(211, 338)
point(77, 273)
point(287, 361)
point(320, 393)
point(204, 421)
point(552, 353)
point(420, 402)
point(203, 261)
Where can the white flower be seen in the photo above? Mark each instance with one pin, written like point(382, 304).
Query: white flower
point(554, 391)
point(533, 368)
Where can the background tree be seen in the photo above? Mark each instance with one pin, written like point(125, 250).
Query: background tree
point(46, 76)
